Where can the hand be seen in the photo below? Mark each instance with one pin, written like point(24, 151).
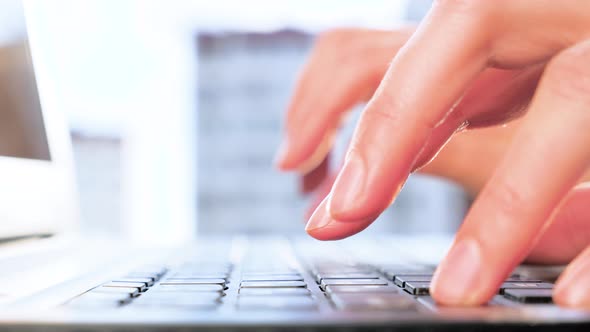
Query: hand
point(473, 64)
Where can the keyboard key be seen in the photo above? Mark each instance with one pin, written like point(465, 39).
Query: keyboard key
point(527, 295)
point(351, 282)
point(521, 279)
point(130, 291)
point(97, 299)
point(400, 267)
point(391, 271)
point(186, 281)
point(275, 277)
point(148, 282)
point(373, 301)
point(272, 284)
point(276, 303)
point(203, 270)
point(199, 275)
point(525, 285)
point(362, 289)
point(187, 288)
point(177, 307)
point(172, 296)
point(497, 305)
point(354, 275)
point(337, 269)
point(202, 300)
point(90, 303)
point(151, 277)
point(391, 275)
point(123, 297)
point(267, 272)
point(275, 291)
point(417, 288)
point(159, 305)
point(400, 280)
point(140, 286)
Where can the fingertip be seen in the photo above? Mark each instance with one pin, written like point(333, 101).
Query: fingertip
point(322, 226)
point(302, 153)
point(318, 234)
point(282, 159)
point(319, 217)
point(458, 281)
point(560, 296)
point(336, 230)
point(291, 155)
point(571, 296)
point(572, 289)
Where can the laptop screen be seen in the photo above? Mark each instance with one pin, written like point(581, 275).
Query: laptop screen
point(22, 132)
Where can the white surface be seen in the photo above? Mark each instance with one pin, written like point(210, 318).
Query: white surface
point(106, 52)
point(308, 15)
point(39, 196)
point(127, 68)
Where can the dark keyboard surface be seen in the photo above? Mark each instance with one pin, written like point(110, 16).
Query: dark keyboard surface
point(264, 278)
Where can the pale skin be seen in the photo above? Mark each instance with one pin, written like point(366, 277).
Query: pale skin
point(507, 84)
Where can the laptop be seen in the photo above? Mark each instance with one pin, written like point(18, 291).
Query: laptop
point(54, 279)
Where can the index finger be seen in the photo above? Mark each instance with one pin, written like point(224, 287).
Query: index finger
point(423, 82)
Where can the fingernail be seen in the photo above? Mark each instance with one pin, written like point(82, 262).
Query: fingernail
point(320, 217)
point(322, 226)
point(281, 155)
point(456, 279)
point(348, 187)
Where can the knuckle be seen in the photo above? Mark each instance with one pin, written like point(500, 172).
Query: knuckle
point(469, 7)
point(324, 41)
point(337, 44)
point(381, 116)
point(471, 18)
point(332, 37)
point(507, 199)
point(568, 74)
point(381, 108)
point(386, 109)
point(326, 36)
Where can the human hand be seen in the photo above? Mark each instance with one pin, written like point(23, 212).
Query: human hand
point(490, 62)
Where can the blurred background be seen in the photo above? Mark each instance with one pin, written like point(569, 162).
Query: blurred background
point(176, 107)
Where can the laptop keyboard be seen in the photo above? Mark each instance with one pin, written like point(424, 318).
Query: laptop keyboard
point(265, 280)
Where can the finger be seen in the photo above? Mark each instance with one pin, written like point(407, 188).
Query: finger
point(455, 160)
point(323, 227)
point(494, 92)
point(345, 67)
point(569, 231)
point(548, 156)
point(465, 37)
point(573, 286)
point(314, 179)
point(407, 106)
